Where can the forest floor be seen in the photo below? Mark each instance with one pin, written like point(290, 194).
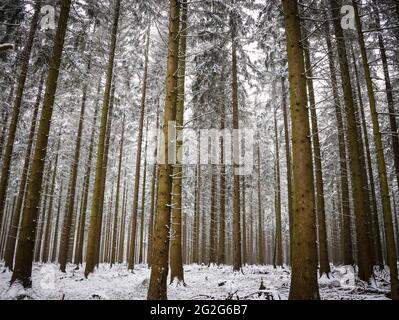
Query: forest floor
point(202, 282)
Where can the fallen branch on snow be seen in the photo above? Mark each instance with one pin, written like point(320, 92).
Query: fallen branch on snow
point(6, 46)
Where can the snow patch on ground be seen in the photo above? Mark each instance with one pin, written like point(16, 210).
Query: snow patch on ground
point(201, 282)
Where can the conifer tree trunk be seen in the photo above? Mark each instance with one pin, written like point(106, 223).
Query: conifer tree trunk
point(320, 205)
point(203, 246)
point(304, 251)
point(344, 190)
point(142, 215)
point(56, 229)
point(40, 223)
point(121, 247)
point(287, 156)
point(3, 231)
point(103, 247)
point(25, 57)
point(222, 193)
point(244, 224)
point(108, 229)
point(49, 221)
point(395, 215)
point(384, 188)
point(160, 254)
point(154, 179)
point(261, 237)
point(359, 196)
point(278, 261)
point(13, 230)
point(237, 258)
point(128, 240)
point(194, 226)
point(115, 231)
point(251, 239)
point(102, 242)
point(5, 117)
point(67, 232)
point(390, 99)
point(23, 259)
point(7, 223)
point(176, 252)
point(78, 227)
point(184, 239)
point(213, 222)
point(334, 236)
point(136, 190)
point(197, 212)
point(340, 224)
point(5, 226)
point(94, 215)
point(103, 257)
point(73, 232)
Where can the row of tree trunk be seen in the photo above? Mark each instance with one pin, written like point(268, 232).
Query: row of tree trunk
point(29, 215)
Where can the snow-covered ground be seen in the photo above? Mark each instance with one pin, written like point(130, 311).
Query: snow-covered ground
point(202, 282)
